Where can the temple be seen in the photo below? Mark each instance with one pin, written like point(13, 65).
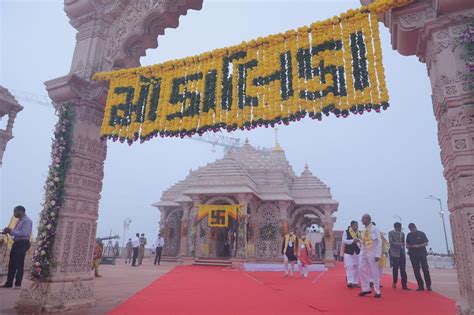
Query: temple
point(273, 200)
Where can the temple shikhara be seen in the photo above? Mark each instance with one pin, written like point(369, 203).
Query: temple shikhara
point(273, 199)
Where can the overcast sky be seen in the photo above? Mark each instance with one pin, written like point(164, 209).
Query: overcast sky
point(384, 164)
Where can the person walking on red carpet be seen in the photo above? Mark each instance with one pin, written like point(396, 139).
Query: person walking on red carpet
point(350, 241)
point(305, 249)
point(369, 257)
point(290, 243)
point(416, 244)
point(396, 238)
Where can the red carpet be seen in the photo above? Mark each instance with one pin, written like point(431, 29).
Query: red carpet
point(213, 290)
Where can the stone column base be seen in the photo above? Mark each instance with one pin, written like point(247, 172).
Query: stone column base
point(186, 260)
point(238, 263)
point(462, 309)
point(56, 296)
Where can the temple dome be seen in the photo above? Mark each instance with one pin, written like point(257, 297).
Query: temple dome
point(265, 173)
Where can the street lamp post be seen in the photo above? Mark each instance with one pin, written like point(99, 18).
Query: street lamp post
point(126, 226)
point(441, 214)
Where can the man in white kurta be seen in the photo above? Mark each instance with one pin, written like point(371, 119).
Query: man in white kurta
point(351, 240)
point(371, 249)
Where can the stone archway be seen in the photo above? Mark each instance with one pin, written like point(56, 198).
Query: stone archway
point(298, 217)
point(115, 33)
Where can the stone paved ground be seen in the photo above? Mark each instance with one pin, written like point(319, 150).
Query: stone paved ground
point(118, 282)
point(121, 281)
point(444, 281)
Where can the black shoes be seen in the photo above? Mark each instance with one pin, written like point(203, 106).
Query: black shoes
point(364, 293)
point(406, 288)
point(378, 295)
point(429, 289)
point(420, 289)
point(6, 286)
point(350, 285)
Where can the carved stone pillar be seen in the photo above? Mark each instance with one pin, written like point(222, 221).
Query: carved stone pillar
point(328, 226)
point(453, 107)
point(187, 207)
point(110, 34)
point(194, 229)
point(284, 207)
point(431, 30)
point(244, 200)
point(71, 281)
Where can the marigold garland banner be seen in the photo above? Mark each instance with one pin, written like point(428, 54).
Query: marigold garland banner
point(218, 215)
point(334, 66)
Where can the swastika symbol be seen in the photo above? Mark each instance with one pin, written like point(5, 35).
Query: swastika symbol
point(218, 217)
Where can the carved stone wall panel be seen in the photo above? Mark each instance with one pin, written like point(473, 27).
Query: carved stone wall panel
point(63, 245)
point(268, 215)
point(173, 233)
point(82, 256)
point(93, 148)
point(137, 28)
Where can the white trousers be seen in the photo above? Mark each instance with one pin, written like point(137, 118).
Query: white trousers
point(351, 264)
point(369, 271)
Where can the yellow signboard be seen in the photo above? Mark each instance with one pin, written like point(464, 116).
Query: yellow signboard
point(218, 215)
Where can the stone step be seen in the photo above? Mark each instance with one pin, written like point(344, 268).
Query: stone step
point(169, 258)
point(202, 261)
point(216, 264)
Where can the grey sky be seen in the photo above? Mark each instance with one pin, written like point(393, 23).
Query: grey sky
point(383, 164)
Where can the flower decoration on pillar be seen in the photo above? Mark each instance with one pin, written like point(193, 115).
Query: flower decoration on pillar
point(54, 193)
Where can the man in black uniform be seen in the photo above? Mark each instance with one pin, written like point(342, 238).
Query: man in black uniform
point(416, 244)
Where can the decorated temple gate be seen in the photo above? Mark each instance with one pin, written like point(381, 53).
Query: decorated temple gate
point(115, 34)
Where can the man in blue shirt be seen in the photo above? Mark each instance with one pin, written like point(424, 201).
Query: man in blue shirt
point(21, 243)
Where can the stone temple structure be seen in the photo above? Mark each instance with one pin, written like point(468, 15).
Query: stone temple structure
point(274, 199)
point(9, 108)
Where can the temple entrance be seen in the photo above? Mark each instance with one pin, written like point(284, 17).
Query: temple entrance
point(223, 240)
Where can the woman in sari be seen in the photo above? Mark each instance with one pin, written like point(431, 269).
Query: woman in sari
point(305, 249)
